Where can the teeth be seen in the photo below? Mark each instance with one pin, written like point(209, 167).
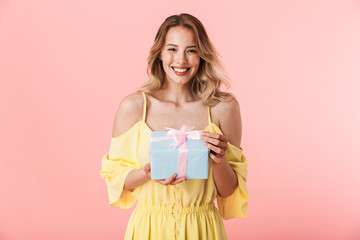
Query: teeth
point(180, 70)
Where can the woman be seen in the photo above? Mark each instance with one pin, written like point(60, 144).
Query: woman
point(183, 88)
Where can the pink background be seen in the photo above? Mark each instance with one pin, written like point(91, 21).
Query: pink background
point(295, 69)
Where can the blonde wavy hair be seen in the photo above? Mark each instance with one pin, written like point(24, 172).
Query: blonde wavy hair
point(210, 76)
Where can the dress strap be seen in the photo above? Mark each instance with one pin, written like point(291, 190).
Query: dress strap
point(144, 109)
point(209, 116)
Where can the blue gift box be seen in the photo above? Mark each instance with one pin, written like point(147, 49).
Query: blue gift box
point(164, 158)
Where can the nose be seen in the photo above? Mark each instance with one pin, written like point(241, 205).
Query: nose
point(181, 58)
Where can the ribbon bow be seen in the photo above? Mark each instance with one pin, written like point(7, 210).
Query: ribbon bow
point(180, 137)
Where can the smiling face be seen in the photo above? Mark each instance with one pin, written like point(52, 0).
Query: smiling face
point(179, 56)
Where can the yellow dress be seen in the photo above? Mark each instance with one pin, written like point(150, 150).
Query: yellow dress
point(182, 211)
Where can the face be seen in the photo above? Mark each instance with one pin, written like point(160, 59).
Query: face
point(179, 56)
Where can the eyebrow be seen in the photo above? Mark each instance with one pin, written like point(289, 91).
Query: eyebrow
point(170, 44)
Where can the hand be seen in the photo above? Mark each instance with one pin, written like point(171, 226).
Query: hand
point(170, 181)
point(217, 144)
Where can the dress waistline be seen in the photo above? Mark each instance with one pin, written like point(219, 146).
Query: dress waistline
point(176, 208)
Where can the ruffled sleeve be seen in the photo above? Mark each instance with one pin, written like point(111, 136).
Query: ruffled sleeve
point(235, 205)
point(115, 167)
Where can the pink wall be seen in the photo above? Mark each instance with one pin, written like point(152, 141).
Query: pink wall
point(294, 65)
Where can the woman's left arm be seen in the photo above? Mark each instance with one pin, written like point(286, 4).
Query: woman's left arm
point(230, 124)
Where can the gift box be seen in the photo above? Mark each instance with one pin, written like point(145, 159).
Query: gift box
point(178, 151)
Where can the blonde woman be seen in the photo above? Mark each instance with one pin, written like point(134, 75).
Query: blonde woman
point(183, 88)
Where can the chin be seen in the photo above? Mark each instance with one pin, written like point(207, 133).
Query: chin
point(181, 81)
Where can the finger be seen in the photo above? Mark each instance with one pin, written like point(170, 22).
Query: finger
point(147, 170)
point(215, 136)
point(215, 158)
point(169, 180)
point(147, 167)
point(215, 149)
point(179, 180)
point(158, 181)
point(216, 142)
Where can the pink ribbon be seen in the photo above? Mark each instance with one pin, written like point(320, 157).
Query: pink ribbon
point(180, 137)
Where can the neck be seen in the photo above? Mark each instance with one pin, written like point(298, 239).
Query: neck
point(176, 93)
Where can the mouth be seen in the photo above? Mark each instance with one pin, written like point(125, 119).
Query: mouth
point(180, 71)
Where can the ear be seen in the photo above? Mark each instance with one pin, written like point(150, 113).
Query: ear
point(160, 57)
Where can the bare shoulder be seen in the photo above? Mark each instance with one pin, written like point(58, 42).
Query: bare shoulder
point(228, 115)
point(225, 106)
point(128, 113)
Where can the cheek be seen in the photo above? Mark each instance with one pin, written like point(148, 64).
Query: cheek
point(195, 61)
point(166, 58)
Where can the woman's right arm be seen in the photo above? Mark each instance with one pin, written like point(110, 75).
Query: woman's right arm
point(128, 113)
point(137, 177)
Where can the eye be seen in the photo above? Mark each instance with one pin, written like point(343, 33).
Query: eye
point(171, 49)
point(192, 51)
